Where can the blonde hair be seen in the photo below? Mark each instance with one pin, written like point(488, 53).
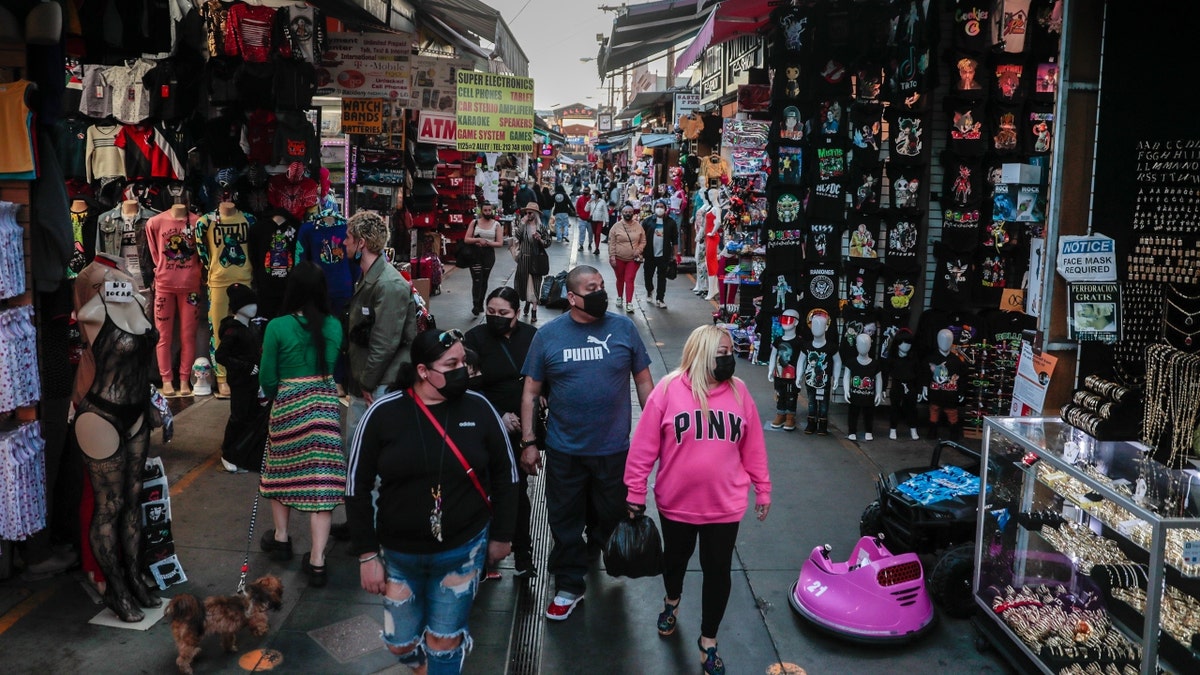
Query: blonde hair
point(370, 227)
point(698, 361)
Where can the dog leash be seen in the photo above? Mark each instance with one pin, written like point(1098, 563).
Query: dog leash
point(241, 584)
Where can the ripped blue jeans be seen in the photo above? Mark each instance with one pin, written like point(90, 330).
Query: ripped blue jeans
point(437, 592)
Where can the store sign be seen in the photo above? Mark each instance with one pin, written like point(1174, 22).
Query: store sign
point(495, 113)
point(435, 83)
point(1032, 381)
point(604, 122)
point(437, 128)
point(367, 65)
point(362, 116)
point(1087, 258)
point(1094, 312)
point(686, 103)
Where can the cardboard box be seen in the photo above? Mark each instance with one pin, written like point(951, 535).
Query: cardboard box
point(423, 288)
point(1023, 174)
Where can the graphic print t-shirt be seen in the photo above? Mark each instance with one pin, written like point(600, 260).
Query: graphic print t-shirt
point(787, 356)
point(325, 244)
point(864, 382)
point(830, 173)
point(588, 369)
point(908, 142)
point(173, 249)
point(818, 364)
point(224, 244)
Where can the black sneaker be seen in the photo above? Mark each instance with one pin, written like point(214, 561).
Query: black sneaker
point(523, 568)
point(279, 551)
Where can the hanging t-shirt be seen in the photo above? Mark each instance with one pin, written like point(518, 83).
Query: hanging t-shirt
point(1045, 84)
point(1039, 130)
point(787, 357)
point(909, 50)
point(866, 183)
point(130, 100)
point(102, 157)
point(818, 365)
point(907, 141)
point(822, 283)
point(866, 133)
point(294, 85)
point(830, 173)
point(899, 288)
point(296, 198)
point(864, 236)
point(256, 85)
point(273, 246)
point(824, 242)
point(906, 193)
point(300, 33)
point(791, 82)
point(968, 138)
point(17, 155)
point(784, 289)
point(792, 127)
point(946, 381)
point(903, 240)
point(1013, 26)
point(996, 272)
point(1000, 236)
point(831, 117)
point(868, 82)
point(221, 80)
point(790, 163)
point(861, 281)
point(969, 77)
point(971, 32)
point(295, 140)
point(96, 95)
point(798, 26)
point(1010, 79)
point(174, 89)
point(960, 229)
point(260, 136)
point(952, 279)
point(864, 382)
point(1007, 130)
point(148, 154)
point(223, 244)
point(854, 323)
point(323, 241)
point(964, 182)
point(1007, 327)
point(70, 145)
point(249, 32)
point(172, 245)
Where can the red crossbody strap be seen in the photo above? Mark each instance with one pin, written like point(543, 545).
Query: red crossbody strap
point(454, 448)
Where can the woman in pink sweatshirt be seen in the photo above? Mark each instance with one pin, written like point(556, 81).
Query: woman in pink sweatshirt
point(701, 425)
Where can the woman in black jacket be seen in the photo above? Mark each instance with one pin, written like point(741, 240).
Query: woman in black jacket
point(662, 238)
point(561, 210)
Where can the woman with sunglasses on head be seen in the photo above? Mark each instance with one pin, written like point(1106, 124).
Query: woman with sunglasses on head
point(446, 484)
point(701, 426)
point(305, 469)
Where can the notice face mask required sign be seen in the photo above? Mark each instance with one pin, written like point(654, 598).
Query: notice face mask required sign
point(495, 113)
point(1090, 258)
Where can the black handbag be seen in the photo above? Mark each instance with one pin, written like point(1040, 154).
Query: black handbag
point(635, 549)
point(672, 268)
point(464, 254)
point(540, 265)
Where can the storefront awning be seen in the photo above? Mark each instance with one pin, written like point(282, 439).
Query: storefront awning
point(472, 17)
point(726, 21)
point(617, 142)
point(645, 101)
point(657, 140)
point(646, 30)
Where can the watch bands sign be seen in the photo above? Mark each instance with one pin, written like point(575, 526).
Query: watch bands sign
point(495, 113)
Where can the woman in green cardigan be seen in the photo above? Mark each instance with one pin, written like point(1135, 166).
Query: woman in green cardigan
point(305, 468)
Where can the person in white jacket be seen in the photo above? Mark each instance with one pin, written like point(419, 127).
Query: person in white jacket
point(598, 215)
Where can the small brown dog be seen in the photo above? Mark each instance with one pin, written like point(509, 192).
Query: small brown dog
point(221, 614)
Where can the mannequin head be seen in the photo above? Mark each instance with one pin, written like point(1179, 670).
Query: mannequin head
point(862, 344)
point(44, 24)
point(818, 322)
point(714, 198)
point(945, 339)
point(789, 320)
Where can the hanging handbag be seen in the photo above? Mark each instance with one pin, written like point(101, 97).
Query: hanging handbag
point(464, 254)
point(672, 268)
point(540, 266)
point(453, 448)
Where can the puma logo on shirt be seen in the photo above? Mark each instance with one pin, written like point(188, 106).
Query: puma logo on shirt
point(578, 354)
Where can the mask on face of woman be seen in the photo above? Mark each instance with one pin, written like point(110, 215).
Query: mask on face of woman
point(457, 383)
point(724, 368)
point(498, 325)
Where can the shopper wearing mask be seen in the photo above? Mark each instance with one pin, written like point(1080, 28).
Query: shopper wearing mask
point(626, 244)
point(304, 469)
point(597, 210)
point(662, 236)
point(562, 211)
point(502, 343)
point(446, 477)
point(585, 357)
point(484, 235)
point(584, 222)
point(703, 475)
point(532, 241)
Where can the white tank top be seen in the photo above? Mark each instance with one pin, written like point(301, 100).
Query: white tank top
point(482, 232)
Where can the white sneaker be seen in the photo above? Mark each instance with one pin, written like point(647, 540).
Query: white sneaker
point(620, 304)
point(230, 467)
point(629, 307)
point(868, 437)
point(915, 435)
point(852, 437)
point(661, 304)
point(892, 434)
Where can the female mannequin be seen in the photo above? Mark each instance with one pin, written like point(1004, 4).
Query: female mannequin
point(698, 222)
point(121, 233)
point(82, 215)
point(944, 382)
point(785, 354)
point(819, 366)
point(860, 384)
point(222, 240)
point(172, 245)
point(111, 425)
point(712, 242)
point(902, 372)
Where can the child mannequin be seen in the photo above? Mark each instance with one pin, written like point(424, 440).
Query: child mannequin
point(820, 365)
point(860, 382)
point(785, 354)
point(239, 352)
point(943, 385)
point(902, 382)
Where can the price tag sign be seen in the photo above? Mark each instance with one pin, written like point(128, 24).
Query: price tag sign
point(1191, 553)
point(1012, 300)
point(118, 291)
point(1071, 452)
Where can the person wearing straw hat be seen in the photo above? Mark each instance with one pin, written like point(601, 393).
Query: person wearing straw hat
point(531, 244)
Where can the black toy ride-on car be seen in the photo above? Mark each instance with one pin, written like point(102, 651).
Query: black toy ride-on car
point(941, 522)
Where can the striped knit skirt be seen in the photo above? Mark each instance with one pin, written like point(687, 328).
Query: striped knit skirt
point(305, 468)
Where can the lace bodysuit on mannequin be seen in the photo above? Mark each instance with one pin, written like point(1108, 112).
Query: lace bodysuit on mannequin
point(122, 381)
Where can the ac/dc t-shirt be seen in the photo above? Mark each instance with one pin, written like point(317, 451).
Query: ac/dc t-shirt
point(1038, 130)
point(899, 288)
point(968, 138)
point(952, 279)
point(1007, 129)
point(866, 132)
point(864, 236)
point(960, 229)
point(864, 382)
point(908, 142)
point(866, 184)
point(861, 281)
point(903, 240)
point(828, 200)
point(906, 182)
point(824, 242)
point(964, 182)
point(1010, 79)
point(818, 365)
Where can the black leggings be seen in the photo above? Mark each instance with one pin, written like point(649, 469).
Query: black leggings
point(716, 560)
point(481, 270)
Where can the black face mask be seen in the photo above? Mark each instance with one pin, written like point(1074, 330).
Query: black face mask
point(724, 368)
point(457, 383)
point(627, 216)
point(498, 325)
point(595, 303)
point(475, 382)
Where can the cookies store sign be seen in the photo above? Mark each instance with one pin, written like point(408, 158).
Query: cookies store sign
point(495, 113)
point(367, 65)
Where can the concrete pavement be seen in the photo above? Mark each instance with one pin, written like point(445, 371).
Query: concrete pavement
point(821, 485)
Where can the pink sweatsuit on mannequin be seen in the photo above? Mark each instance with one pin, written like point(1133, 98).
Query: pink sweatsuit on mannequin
point(177, 272)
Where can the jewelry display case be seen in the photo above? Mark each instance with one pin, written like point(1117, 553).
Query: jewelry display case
point(1070, 545)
